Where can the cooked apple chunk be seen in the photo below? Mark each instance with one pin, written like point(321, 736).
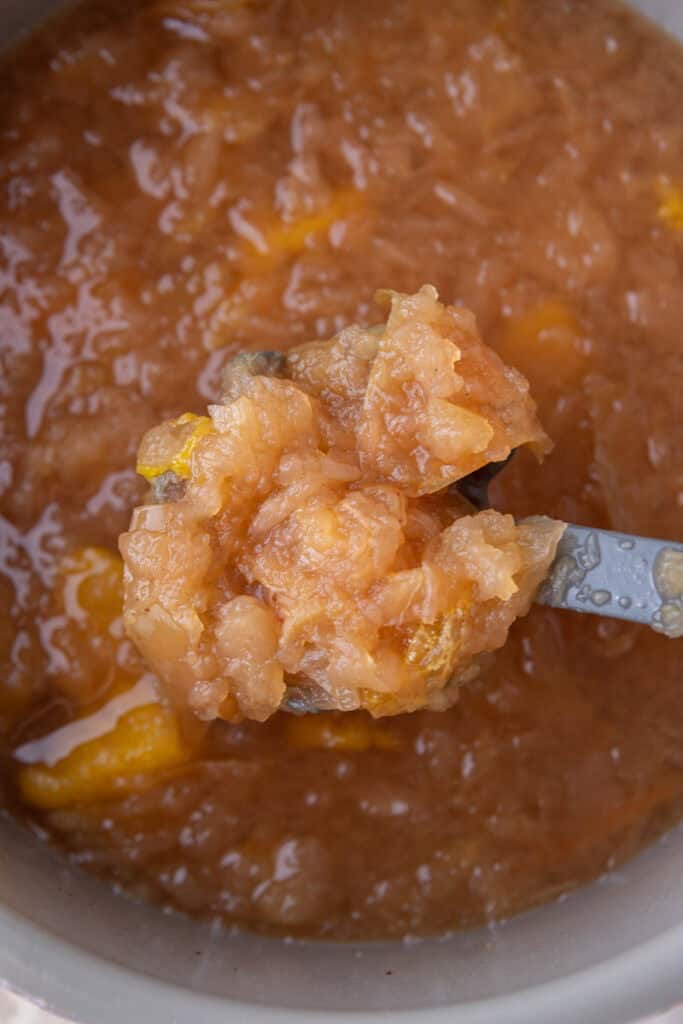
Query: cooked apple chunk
point(302, 536)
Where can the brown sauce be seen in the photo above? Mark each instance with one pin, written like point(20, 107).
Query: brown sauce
point(181, 180)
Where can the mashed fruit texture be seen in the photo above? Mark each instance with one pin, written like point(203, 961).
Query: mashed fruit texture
point(300, 537)
point(181, 180)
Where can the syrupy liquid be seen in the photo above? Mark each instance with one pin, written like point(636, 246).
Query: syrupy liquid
point(180, 180)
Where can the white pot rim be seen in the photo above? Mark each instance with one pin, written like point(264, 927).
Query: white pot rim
point(84, 987)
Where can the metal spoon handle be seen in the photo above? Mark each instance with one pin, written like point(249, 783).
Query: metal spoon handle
point(638, 579)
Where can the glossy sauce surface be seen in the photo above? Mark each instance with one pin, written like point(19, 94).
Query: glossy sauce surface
point(183, 179)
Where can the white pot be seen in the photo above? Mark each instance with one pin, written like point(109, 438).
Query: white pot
point(609, 954)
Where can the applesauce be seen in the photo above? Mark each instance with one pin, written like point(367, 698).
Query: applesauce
point(305, 547)
point(185, 179)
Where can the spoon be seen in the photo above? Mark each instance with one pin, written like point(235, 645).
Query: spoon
point(602, 572)
point(599, 572)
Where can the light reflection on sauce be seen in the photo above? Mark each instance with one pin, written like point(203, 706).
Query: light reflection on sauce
point(57, 745)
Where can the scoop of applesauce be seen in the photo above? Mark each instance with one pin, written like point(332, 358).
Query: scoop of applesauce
point(302, 537)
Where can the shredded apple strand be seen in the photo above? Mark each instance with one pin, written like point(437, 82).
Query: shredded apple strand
point(301, 534)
